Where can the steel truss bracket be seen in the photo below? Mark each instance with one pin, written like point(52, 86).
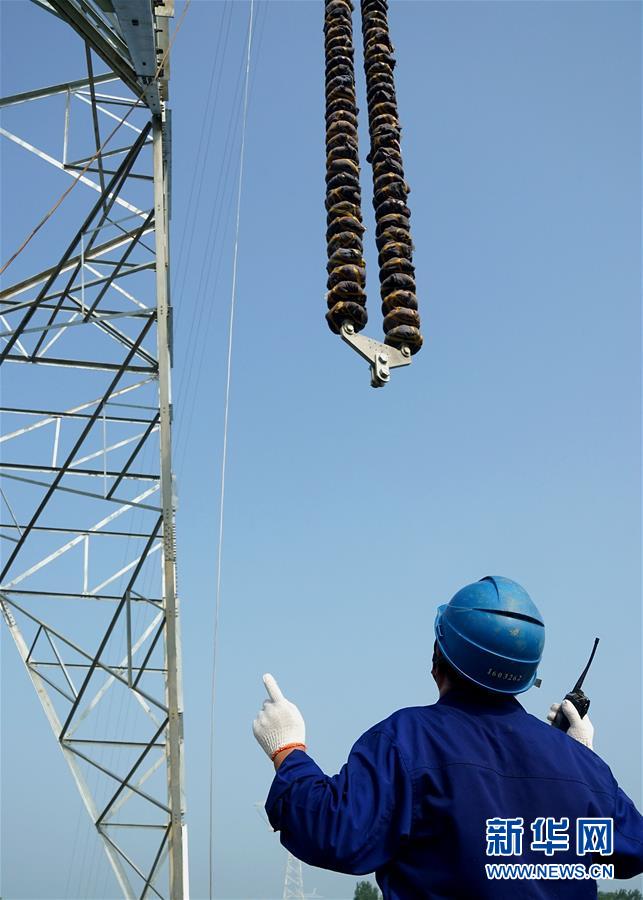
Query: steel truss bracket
point(380, 357)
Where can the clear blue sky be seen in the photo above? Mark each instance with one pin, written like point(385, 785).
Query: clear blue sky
point(511, 446)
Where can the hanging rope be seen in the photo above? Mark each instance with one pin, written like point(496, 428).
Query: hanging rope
point(346, 296)
point(224, 454)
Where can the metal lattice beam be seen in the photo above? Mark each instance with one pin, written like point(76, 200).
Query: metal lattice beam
point(88, 582)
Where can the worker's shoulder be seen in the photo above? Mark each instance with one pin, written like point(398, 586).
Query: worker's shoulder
point(409, 717)
point(560, 742)
point(439, 733)
point(401, 721)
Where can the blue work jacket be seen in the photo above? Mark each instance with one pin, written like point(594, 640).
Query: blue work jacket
point(413, 800)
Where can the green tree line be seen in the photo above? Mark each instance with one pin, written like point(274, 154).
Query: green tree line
point(620, 895)
point(364, 890)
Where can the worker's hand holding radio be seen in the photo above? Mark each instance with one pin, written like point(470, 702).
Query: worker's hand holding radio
point(279, 726)
point(571, 715)
point(581, 730)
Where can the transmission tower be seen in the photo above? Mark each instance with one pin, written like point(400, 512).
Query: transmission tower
point(88, 581)
point(294, 880)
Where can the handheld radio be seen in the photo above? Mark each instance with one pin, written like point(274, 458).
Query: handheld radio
point(576, 696)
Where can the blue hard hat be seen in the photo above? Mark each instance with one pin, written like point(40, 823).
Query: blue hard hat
point(493, 634)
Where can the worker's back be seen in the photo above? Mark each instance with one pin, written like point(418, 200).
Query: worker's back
point(473, 757)
point(439, 801)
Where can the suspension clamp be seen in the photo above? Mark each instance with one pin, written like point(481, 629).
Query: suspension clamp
point(381, 357)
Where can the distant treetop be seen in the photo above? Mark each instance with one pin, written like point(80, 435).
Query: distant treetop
point(364, 890)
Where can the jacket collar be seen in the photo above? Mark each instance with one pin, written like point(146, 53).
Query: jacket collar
point(476, 701)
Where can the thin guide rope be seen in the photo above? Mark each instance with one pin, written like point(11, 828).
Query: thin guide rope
point(224, 455)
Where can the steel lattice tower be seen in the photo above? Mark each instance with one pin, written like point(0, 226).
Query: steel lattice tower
point(88, 580)
point(294, 880)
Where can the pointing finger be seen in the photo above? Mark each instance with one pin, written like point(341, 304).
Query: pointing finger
point(274, 691)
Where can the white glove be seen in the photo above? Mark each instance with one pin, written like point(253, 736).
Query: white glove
point(279, 724)
point(581, 730)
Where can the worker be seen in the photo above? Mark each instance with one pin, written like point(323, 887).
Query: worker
point(432, 796)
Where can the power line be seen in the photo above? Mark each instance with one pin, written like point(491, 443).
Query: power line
point(201, 321)
point(224, 454)
point(209, 115)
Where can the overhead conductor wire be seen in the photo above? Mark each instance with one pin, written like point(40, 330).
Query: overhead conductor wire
point(224, 454)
